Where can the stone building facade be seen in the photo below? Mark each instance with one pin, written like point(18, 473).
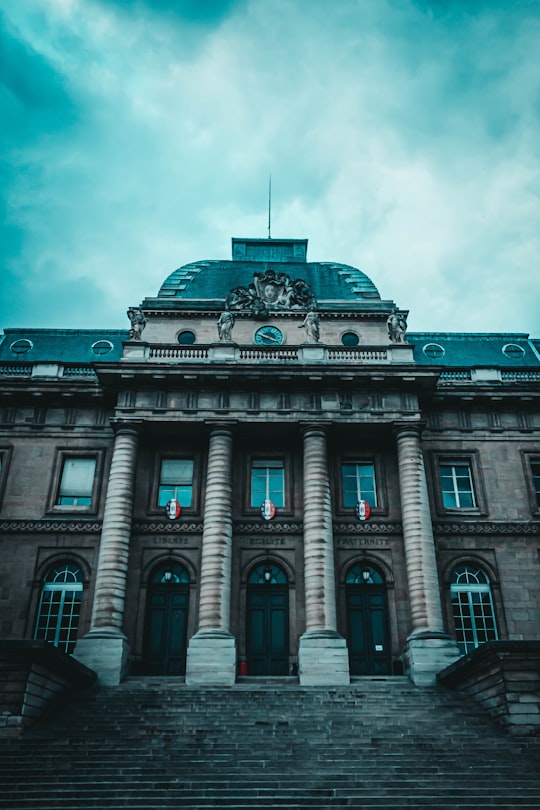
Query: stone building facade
point(268, 475)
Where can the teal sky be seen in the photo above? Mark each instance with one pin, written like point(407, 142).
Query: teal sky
point(403, 137)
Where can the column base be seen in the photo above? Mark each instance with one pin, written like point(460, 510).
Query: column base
point(323, 659)
point(211, 659)
point(427, 653)
point(107, 653)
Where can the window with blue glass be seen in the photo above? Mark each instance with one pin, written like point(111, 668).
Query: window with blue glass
point(76, 482)
point(457, 488)
point(176, 481)
point(60, 606)
point(472, 607)
point(358, 483)
point(267, 482)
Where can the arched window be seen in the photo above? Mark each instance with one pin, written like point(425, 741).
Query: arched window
point(267, 574)
point(363, 575)
point(172, 574)
point(60, 606)
point(472, 607)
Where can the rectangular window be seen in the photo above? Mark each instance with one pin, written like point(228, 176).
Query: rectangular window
point(176, 481)
point(535, 470)
point(358, 481)
point(457, 485)
point(267, 483)
point(76, 482)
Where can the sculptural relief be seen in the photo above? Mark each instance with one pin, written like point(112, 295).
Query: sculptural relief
point(271, 291)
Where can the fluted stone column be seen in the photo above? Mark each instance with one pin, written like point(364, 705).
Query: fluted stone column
point(105, 648)
point(429, 649)
point(322, 653)
point(211, 655)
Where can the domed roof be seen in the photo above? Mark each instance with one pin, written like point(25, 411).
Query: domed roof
point(327, 285)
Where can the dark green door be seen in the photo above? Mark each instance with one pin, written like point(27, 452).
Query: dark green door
point(267, 632)
point(166, 625)
point(369, 647)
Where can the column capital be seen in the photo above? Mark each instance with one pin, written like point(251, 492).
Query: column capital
point(126, 425)
point(410, 428)
point(220, 424)
point(313, 427)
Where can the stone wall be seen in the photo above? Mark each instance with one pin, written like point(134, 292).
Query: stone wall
point(33, 675)
point(504, 678)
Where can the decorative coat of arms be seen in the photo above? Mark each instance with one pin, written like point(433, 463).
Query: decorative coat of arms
point(271, 291)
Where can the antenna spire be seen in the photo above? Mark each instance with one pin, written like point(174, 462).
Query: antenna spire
point(269, 205)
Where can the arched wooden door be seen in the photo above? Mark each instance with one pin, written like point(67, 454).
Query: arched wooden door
point(367, 622)
point(267, 617)
point(166, 621)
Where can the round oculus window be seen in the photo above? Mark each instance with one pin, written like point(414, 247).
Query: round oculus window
point(186, 338)
point(102, 347)
point(350, 339)
point(21, 346)
point(433, 350)
point(513, 351)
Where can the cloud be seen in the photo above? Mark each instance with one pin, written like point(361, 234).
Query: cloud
point(401, 138)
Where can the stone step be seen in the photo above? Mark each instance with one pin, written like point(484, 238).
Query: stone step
point(155, 743)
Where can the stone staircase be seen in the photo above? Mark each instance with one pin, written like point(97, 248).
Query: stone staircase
point(155, 743)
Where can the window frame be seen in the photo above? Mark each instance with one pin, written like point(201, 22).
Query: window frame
point(529, 458)
point(153, 507)
point(471, 459)
point(486, 587)
point(379, 481)
point(63, 454)
point(287, 508)
point(5, 460)
point(46, 586)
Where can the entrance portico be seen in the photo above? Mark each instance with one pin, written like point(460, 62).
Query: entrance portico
point(297, 393)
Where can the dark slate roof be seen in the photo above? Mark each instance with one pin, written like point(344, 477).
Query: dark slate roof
point(206, 284)
point(474, 349)
point(62, 345)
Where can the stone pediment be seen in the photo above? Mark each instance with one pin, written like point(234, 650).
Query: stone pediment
point(271, 291)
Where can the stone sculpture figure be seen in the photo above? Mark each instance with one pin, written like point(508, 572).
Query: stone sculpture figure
point(397, 327)
point(138, 322)
point(311, 325)
point(225, 326)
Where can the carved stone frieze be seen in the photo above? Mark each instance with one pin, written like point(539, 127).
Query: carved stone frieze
point(164, 527)
point(43, 526)
point(367, 527)
point(487, 527)
point(268, 527)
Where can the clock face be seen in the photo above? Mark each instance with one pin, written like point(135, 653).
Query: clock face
point(268, 336)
